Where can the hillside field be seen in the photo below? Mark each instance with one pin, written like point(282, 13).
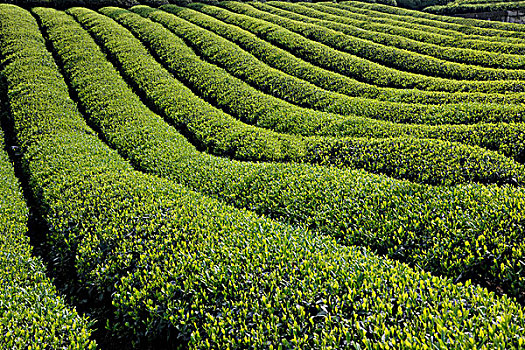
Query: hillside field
point(260, 175)
point(475, 6)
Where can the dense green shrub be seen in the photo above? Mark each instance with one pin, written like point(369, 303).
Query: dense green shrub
point(333, 34)
point(350, 26)
point(32, 314)
point(406, 19)
point(458, 7)
point(63, 4)
point(413, 4)
point(182, 269)
point(284, 61)
point(130, 126)
point(360, 68)
point(387, 56)
point(492, 30)
point(238, 96)
point(435, 162)
point(423, 32)
point(386, 2)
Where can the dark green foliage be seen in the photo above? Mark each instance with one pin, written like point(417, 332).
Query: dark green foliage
point(180, 268)
point(459, 7)
point(424, 30)
point(332, 201)
point(169, 267)
point(353, 27)
point(283, 60)
point(490, 30)
point(359, 68)
point(63, 4)
point(386, 55)
point(503, 137)
point(448, 163)
point(412, 4)
point(32, 314)
point(235, 95)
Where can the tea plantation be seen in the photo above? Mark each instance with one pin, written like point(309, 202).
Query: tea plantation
point(260, 175)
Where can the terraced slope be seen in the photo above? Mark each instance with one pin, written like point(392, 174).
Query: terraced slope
point(273, 175)
point(473, 6)
point(478, 28)
point(32, 313)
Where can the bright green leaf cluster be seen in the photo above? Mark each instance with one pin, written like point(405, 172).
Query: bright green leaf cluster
point(353, 27)
point(32, 314)
point(385, 54)
point(180, 268)
point(348, 205)
point(353, 66)
point(488, 30)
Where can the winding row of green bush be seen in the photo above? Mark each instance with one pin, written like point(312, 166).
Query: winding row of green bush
point(93, 3)
point(388, 56)
point(432, 161)
point(284, 61)
point(413, 19)
point(248, 69)
point(183, 269)
point(421, 32)
point(441, 27)
point(258, 186)
point(236, 96)
point(492, 29)
point(354, 40)
point(359, 68)
point(474, 1)
point(239, 96)
point(348, 26)
point(465, 7)
point(411, 4)
point(32, 314)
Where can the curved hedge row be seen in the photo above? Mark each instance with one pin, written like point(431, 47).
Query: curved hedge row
point(458, 7)
point(441, 27)
point(388, 56)
point(475, 1)
point(180, 269)
point(239, 96)
point(349, 26)
point(64, 4)
point(230, 25)
point(248, 69)
point(128, 126)
point(503, 137)
point(432, 162)
point(329, 28)
point(359, 68)
point(492, 30)
point(422, 32)
point(32, 314)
